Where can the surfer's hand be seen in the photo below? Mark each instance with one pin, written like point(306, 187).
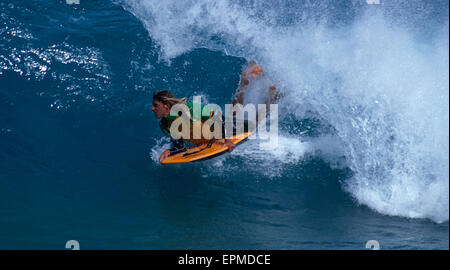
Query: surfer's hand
point(164, 155)
point(230, 145)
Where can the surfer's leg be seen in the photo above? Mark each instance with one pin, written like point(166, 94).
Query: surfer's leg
point(251, 72)
point(274, 96)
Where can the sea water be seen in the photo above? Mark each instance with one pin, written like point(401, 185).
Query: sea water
point(363, 142)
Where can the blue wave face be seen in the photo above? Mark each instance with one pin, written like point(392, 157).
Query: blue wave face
point(364, 69)
point(363, 125)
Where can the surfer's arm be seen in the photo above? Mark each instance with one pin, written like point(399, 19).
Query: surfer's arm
point(230, 144)
point(178, 146)
point(164, 155)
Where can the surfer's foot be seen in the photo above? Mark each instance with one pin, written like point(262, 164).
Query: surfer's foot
point(252, 71)
point(274, 95)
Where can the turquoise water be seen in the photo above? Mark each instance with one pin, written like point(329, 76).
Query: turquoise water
point(363, 127)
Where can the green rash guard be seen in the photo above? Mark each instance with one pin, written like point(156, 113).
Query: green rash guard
point(165, 122)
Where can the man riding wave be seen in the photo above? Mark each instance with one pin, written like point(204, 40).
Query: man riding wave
point(164, 101)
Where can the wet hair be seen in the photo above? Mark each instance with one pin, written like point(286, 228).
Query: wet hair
point(166, 97)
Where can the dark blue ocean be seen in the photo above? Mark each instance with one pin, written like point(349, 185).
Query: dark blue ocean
point(363, 134)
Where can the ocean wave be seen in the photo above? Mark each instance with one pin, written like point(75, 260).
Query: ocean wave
point(382, 86)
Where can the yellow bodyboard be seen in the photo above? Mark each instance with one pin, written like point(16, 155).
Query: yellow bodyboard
point(204, 151)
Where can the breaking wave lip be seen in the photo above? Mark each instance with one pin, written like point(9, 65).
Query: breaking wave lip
point(383, 88)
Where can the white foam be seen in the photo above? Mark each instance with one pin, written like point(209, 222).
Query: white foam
point(383, 89)
point(290, 151)
point(158, 148)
